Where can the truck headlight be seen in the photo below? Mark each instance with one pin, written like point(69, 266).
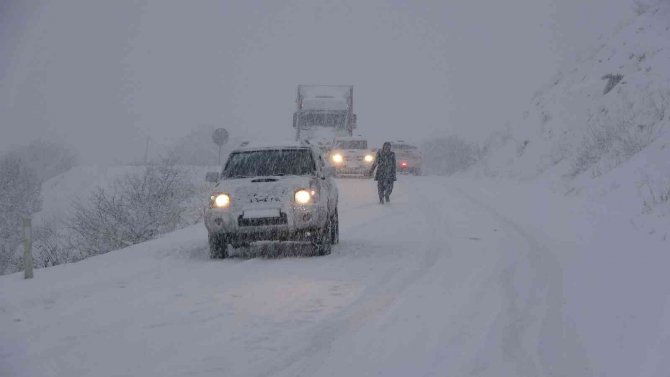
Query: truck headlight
point(302, 197)
point(337, 158)
point(220, 200)
point(368, 158)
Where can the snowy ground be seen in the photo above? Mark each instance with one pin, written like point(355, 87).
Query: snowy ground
point(454, 278)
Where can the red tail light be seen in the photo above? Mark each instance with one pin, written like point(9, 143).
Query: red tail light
point(403, 164)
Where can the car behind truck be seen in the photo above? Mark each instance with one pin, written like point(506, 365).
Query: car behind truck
point(408, 158)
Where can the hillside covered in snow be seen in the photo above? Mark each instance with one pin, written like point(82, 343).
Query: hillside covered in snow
point(600, 127)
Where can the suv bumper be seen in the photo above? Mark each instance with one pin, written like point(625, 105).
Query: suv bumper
point(299, 224)
point(361, 172)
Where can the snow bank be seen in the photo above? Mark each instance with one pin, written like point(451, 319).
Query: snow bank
point(600, 127)
point(615, 282)
point(579, 102)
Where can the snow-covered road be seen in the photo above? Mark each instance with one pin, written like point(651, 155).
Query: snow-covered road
point(436, 284)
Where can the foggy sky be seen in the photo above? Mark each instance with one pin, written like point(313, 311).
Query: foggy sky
point(103, 75)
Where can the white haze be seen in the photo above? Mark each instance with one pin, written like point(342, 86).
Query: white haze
point(102, 75)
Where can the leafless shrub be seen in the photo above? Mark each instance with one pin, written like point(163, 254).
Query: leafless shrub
point(19, 198)
point(612, 81)
point(617, 142)
point(448, 155)
point(52, 244)
point(641, 7)
point(618, 135)
point(137, 208)
point(656, 194)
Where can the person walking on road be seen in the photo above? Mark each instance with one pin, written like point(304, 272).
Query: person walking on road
point(385, 176)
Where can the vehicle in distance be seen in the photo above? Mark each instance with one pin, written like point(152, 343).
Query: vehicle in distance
point(324, 112)
point(280, 192)
point(351, 157)
point(408, 158)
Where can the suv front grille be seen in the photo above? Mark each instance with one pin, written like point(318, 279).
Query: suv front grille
point(282, 219)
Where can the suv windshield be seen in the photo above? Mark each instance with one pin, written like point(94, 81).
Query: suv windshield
point(352, 144)
point(270, 162)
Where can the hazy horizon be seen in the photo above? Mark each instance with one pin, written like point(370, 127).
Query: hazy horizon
point(101, 76)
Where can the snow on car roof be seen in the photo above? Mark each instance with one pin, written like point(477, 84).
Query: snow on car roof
point(324, 103)
point(351, 138)
point(402, 144)
point(247, 146)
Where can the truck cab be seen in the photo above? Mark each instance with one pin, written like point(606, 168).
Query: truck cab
point(323, 113)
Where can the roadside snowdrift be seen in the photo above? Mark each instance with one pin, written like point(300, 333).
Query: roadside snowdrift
point(597, 114)
point(600, 128)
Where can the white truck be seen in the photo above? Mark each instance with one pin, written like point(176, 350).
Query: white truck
point(323, 113)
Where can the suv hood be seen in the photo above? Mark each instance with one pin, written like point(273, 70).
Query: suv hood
point(354, 152)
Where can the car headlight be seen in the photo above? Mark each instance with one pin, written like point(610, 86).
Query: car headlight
point(302, 196)
point(220, 200)
point(368, 158)
point(337, 158)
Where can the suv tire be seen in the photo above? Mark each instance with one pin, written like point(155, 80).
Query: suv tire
point(323, 245)
point(218, 246)
point(335, 228)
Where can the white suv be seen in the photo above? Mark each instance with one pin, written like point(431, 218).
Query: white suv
point(273, 193)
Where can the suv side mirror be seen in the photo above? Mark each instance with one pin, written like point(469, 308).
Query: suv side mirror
point(212, 176)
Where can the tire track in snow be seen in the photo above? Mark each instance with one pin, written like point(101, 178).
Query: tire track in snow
point(377, 299)
point(540, 318)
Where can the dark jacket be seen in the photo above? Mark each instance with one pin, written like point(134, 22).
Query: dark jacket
point(385, 164)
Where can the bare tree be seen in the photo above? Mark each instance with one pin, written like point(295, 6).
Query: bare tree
point(19, 197)
point(138, 207)
point(448, 155)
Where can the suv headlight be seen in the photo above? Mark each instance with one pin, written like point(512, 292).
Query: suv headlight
point(368, 158)
point(220, 200)
point(302, 196)
point(337, 158)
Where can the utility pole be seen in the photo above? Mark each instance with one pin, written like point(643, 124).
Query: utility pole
point(146, 152)
point(27, 248)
